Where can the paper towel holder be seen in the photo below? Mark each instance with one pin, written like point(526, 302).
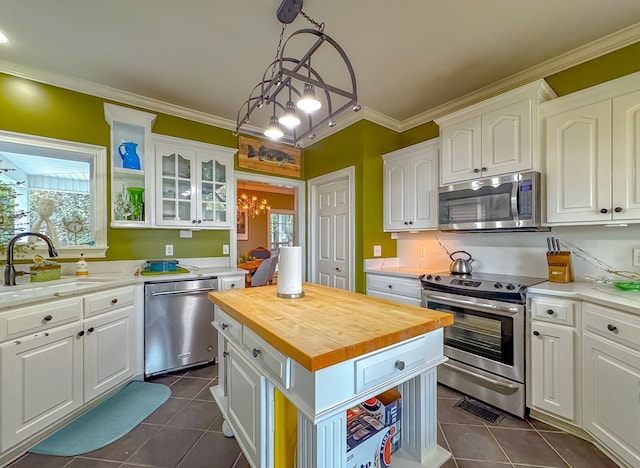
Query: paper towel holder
point(291, 296)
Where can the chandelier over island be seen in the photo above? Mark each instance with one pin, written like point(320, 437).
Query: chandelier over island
point(294, 99)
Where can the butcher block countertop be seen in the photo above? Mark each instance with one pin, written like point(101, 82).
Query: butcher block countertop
point(326, 326)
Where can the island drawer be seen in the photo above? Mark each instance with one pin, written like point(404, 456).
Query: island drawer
point(230, 327)
point(395, 285)
point(554, 309)
point(98, 303)
point(277, 364)
point(390, 363)
point(32, 319)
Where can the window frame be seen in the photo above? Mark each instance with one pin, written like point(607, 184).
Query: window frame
point(279, 211)
point(98, 186)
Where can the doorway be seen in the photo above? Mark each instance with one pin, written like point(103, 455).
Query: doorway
point(271, 188)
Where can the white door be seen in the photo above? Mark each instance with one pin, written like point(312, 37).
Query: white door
point(332, 230)
point(461, 146)
point(626, 157)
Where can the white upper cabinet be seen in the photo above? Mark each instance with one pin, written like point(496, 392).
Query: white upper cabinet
point(593, 154)
point(496, 136)
point(131, 164)
point(194, 184)
point(411, 187)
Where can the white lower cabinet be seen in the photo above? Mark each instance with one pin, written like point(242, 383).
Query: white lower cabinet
point(611, 349)
point(108, 351)
point(41, 379)
point(246, 405)
point(50, 373)
point(553, 369)
point(230, 282)
point(399, 289)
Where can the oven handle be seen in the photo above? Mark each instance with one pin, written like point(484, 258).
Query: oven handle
point(480, 305)
point(491, 381)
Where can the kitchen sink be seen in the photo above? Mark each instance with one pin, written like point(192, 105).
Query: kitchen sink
point(57, 287)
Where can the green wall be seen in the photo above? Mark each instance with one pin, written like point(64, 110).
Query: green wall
point(35, 108)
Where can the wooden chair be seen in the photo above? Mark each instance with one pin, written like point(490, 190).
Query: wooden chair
point(260, 252)
point(264, 273)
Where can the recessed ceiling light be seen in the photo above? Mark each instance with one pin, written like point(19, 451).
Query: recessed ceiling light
point(3, 39)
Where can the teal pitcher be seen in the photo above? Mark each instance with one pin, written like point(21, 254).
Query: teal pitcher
point(129, 155)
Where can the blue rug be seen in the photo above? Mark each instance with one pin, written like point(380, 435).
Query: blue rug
point(107, 422)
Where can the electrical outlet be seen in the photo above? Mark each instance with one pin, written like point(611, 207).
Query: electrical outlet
point(636, 257)
point(423, 251)
point(377, 251)
point(225, 249)
point(168, 249)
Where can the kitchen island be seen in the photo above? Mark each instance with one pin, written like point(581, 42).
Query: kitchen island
point(325, 352)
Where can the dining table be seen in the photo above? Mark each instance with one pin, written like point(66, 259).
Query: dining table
point(251, 266)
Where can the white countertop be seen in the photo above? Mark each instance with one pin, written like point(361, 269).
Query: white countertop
point(26, 292)
point(603, 294)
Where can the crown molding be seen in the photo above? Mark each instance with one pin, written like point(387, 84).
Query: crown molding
point(597, 48)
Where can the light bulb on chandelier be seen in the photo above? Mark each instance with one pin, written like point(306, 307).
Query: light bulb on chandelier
point(253, 205)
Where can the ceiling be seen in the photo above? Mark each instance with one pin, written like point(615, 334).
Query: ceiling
point(409, 56)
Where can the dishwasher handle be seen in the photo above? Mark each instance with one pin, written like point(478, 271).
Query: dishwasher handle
point(182, 292)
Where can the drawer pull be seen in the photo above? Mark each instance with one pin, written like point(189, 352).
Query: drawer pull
point(225, 353)
point(399, 365)
point(90, 330)
point(81, 333)
point(224, 326)
point(612, 328)
point(604, 211)
point(48, 318)
point(233, 285)
point(617, 209)
point(256, 352)
point(114, 301)
point(536, 333)
point(550, 311)
point(390, 286)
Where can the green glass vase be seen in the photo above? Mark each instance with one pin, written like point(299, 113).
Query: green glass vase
point(136, 196)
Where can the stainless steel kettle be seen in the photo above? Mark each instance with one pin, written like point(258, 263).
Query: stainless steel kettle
point(460, 266)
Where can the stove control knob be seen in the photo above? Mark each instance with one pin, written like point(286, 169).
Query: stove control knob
point(497, 285)
point(437, 278)
point(429, 277)
point(511, 287)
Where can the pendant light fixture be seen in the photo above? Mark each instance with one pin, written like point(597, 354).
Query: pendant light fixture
point(292, 84)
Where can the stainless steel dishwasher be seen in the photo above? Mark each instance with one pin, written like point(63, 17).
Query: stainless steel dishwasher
point(177, 325)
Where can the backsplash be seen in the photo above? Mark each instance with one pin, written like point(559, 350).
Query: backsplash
point(596, 251)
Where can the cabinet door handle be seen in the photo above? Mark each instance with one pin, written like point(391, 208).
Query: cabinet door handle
point(81, 333)
point(406, 222)
point(410, 222)
point(199, 221)
point(476, 170)
point(193, 221)
point(48, 318)
point(114, 301)
point(612, 328)
point(483, 169)
point(390, 286)
point(604, 210)
point(550, 311)
point(536, 333)
point(224, 326)
point(338, 269)
point(617, 209)
point(225, 353)
point(90, 330)
point(256, 352)
point(399, 365)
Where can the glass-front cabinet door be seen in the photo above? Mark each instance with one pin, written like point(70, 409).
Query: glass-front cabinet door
point(193, 184)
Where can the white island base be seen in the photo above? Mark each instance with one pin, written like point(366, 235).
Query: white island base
point(248, 375)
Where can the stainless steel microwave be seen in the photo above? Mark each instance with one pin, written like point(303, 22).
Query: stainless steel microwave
point(504, 202)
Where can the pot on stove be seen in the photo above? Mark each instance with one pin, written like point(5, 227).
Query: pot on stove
point(460, 266)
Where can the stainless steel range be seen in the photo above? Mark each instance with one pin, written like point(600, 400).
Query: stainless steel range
point(485, 345)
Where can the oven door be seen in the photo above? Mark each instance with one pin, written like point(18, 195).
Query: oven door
point(486, 334)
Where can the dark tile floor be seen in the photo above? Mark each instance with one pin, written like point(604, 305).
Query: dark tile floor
point(186, 432)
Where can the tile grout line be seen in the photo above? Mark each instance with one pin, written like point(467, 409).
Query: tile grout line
point(500, 446)
point(453, 457)
point(553, 448)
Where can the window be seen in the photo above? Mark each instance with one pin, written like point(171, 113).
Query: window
point(281, 229)
point(56, 188)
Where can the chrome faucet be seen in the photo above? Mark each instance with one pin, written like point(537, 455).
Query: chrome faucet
point(10, 271)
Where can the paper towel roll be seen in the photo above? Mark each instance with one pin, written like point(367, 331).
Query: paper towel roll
point(290, 272)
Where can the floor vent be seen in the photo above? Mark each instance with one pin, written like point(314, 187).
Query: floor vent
point(482, 411)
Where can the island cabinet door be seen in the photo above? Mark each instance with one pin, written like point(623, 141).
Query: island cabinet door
point(247, 407)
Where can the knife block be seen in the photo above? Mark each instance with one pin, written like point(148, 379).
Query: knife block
point(559, 267)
